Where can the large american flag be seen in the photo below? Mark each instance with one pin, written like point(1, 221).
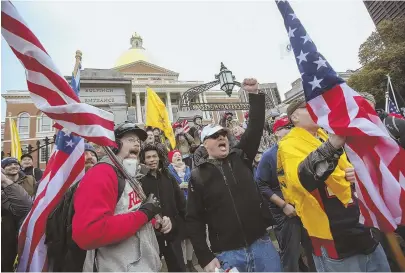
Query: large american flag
point(49, 90)
point(333, 105)
point(52, 94)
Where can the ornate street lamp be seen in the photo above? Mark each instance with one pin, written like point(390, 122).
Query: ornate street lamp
point(226, 80)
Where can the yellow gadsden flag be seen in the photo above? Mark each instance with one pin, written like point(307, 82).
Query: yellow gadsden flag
point(15, 141)
point(157, 116)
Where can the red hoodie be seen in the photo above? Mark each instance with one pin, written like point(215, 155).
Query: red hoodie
point(94, 222)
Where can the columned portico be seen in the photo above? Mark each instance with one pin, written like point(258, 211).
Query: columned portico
point(138, 107)
point(169, 105)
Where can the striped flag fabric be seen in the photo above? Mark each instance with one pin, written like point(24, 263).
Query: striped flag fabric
point(15, 141)
point(52, 94)
point(65, 167)
point(49, 90)
point(185, 126)
point(334, 106)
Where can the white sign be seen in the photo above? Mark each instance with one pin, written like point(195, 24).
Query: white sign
point(100, 96)
point(85, 92)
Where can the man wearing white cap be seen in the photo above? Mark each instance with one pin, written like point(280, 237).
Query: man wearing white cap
point(224, 196)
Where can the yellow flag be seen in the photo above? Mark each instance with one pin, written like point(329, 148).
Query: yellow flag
point(157, 115)
point(15, 141)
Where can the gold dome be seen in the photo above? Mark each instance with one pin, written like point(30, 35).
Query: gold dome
point(134, 54)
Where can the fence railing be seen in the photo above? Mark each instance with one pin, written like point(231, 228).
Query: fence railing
point(46, 142)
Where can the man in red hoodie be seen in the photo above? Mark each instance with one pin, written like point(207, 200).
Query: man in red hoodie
point(118, 235)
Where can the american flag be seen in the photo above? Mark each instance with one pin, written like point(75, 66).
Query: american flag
point(56, 98)
point(49, 90)
point(333, 105)
point(185, 126)
point(392, 108)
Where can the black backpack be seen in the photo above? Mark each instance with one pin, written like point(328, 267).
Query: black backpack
point(63, 253)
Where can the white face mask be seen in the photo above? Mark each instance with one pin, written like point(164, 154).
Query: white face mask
point(130, 165)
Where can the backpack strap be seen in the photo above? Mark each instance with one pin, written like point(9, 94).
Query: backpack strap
point(121, 187)
point(120, 177)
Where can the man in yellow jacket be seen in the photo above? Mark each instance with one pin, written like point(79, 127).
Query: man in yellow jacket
point(318, 180)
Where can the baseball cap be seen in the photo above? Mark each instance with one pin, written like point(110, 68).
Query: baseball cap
point(280, 123)
point(209, 130)
point(298, 103)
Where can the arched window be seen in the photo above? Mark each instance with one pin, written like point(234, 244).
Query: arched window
point(44, 123)
point(23, 124)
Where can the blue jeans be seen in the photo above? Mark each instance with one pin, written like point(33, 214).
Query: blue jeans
point(373, 262)
point(261, 256)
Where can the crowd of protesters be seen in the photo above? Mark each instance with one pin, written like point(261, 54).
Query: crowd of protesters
point(218, 194)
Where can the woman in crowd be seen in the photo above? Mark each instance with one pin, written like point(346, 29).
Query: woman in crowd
point(182, 173)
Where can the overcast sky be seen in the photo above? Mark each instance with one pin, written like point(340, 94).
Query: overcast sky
point(191, 38)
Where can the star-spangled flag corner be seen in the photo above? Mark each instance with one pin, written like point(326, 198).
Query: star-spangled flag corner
point(392, 108)
point(334, 106)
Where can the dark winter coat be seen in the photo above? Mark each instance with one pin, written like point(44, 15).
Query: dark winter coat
point(224, 195)
point(35, 172)
point(15, 205)
point(171, 198)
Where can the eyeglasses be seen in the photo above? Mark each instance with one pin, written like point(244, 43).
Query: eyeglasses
point(217, 135)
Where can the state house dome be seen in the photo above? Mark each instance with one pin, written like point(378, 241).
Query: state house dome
point(135, 53)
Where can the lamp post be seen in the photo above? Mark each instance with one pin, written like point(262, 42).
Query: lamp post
point(227, 83)
point(226, 80)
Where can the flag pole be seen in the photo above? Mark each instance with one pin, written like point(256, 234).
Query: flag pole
point(78, 61)
point(393, 92)
point(387, 94)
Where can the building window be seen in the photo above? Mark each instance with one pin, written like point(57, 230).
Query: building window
point(44, 124)
point(23, 124)
point(42, 156)
point(24, 148)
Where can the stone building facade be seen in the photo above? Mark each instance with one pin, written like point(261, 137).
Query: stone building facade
point(120, 90)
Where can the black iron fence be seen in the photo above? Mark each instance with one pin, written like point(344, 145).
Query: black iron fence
point(40, 144)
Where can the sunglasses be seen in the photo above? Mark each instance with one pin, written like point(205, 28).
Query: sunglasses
point(217, 135)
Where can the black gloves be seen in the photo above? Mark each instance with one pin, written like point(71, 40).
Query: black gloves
point(151, 206)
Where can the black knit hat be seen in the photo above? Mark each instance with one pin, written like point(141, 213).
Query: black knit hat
point(26, 155)
point(8, 161)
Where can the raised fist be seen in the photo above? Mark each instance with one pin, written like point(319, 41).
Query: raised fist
point(250, 85)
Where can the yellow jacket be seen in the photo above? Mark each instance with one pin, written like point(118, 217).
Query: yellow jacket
point(293, 149)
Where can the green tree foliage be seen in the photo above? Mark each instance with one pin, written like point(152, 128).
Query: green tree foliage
point(382, 53)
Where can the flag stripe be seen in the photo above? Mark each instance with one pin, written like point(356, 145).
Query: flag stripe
point(19, 29)
point(50, 201)
point(33, 65)
point(43, 74)
point(51, 97)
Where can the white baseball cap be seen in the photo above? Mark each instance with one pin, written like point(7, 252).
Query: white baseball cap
point(209, 130)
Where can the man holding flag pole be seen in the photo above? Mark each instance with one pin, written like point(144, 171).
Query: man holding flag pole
point(316, 176)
